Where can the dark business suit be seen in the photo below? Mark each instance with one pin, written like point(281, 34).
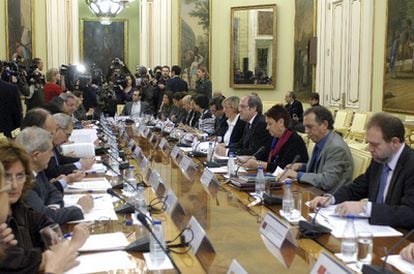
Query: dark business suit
point(254, 137)
point(295, 108)
point(58, 165)
point(398, 208)
point(145, 108)
point(44, 194)
point(294, 146)
point(176, 84)
point(10, 108)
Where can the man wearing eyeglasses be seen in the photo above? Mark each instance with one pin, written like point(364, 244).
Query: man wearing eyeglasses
point(45, 197)
point(136, 107)
point(255, 134)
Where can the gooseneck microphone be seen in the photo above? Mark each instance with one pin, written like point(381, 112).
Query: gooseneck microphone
point(138, 244)
point(375, 269)
point(260, 150)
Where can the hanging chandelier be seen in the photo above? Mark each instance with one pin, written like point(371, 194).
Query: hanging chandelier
point(106, 9)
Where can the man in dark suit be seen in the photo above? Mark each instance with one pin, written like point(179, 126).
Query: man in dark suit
point(385, 193)
point(176, 84)
point(10, 107)
point(136, 107)
point(294, 107)
point(255, 134)
point(331, 163)
point(44, 197)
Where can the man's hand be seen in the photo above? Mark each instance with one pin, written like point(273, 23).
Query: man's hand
point(79, 235)
point(86, 202)
point(221, 150)
point(251, 164)
point(87, 162)
point(319, 201)
point(75, 176)
point(407, 253)
point(290, 173)
point(350, 208)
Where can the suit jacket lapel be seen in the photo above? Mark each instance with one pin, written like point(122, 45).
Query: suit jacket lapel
point(395, 174)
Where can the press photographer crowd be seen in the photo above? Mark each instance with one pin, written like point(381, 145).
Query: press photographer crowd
point(86, 92)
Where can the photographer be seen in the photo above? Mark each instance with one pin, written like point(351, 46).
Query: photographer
point(36, 81)
point(155, 77)
point(143, 83)
point(55, 84)
point(14, 73)
point(10, 106)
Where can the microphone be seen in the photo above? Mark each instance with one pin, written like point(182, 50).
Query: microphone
point(142, 244)
point(260, 150)
point(375, 269)
point(277, 200)
point(312, 229)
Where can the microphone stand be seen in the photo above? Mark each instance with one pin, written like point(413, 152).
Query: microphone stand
point(139, 244)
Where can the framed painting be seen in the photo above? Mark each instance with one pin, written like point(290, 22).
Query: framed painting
point(19, 30)
point(305, 12)
point(194, 38)
point(399, 58)
point(100, 44)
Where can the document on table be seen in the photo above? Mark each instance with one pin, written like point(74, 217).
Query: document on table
point(400, 264)
point(85, 135)
point(96, 168)
point(103, 208)
point(105, 242)
point(327, 217)
point(90, 184)
point(223, 169)
point(102, 262)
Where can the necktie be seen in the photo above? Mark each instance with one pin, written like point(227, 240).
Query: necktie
point(383, 183)
point(315, 155)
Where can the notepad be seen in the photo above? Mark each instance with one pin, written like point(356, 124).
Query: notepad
point(94, 185)
point(105, 242)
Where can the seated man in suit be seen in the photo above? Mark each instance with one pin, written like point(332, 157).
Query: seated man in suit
point(255, 134)
point(44, 197)
point(136, 107)
point(331, 163)
point(385, 193)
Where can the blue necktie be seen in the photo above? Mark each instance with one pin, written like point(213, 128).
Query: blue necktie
point(383, 183)
point(315, 155)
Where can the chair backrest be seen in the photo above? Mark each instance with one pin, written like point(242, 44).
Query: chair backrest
point(359, 121)
point(361, 159)
point(343, 119)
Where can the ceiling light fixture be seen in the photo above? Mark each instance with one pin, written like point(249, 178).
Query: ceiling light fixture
point(106, 9)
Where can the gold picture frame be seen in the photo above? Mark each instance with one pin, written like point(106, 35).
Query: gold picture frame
point(19, 22)
point(253, 50)
point(104, 42)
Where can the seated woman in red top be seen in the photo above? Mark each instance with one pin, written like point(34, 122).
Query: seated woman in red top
point(286, 144)
point(55, 84)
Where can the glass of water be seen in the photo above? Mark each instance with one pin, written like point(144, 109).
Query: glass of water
point(365, 244)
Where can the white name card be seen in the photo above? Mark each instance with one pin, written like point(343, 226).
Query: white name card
point(137, 152)
point(131, 144)
point(144, 164)
point(170, 201)
point(174, 153)
point(327, 264)
point(236, 268)
point(163, 145)
point(185, 163)
point(154, 179)
point(206, 177)
point(274, 229)
point(198, 232)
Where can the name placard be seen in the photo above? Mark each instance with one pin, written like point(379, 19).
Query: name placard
point(274, 229)
point(206, 177)
point(185, 163)
point(327, 264)
point(174, 153)
point(170, 201)
point(137, 153)
point(144, 164)
point(163, 145)
point(131, 145)
point(154, 179)
point(236, 268)
point(198, 233)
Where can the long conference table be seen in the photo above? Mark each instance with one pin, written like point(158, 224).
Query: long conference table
point(232, 228)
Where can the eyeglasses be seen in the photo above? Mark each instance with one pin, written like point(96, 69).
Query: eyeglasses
point(19, 177)
point(66, 132)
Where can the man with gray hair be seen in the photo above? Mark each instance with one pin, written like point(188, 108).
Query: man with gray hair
point(255, 135)
point(44, 197)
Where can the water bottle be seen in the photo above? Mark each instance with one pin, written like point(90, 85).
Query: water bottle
point(260, 182)
point(156, 252)
point(287, 202)
point(130, 182)
point(139, 200)
point(194, 145)
point(210, 152)
point(349, 240)
point(115, 166)
point(231, 166)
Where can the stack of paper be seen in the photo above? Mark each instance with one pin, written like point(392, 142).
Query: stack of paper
point(89, 185)
point(81, 150)
point(103, 208)
point(102, 262)
point(85, 135)
point(105, 242)
point(97, 168)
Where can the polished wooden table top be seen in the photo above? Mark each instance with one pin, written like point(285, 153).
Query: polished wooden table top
point(231, 227)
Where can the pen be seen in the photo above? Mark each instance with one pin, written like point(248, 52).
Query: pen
point(67, 235)
point(98, 197)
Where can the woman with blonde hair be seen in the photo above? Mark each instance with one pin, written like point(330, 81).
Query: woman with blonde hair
point(203, 84)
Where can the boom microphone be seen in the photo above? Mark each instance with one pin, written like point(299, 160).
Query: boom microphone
point(260, 150)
